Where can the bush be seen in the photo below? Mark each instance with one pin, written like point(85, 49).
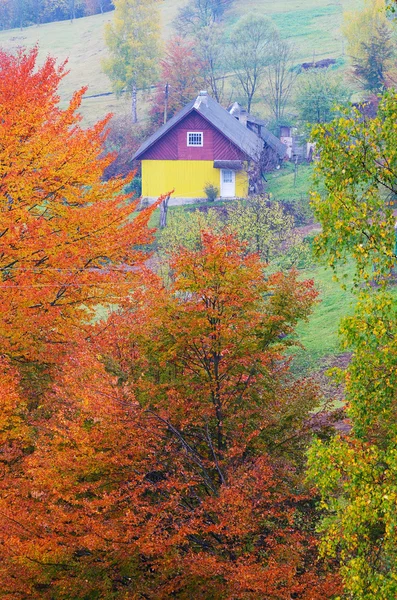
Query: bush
point(211, 191)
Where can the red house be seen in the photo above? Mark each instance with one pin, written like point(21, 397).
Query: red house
point(202, 144)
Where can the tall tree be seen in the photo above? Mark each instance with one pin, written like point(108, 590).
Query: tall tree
point(318, 92)
point(251, 52)
point(60, 224)
point(356, 473)
point(198, 14)
point(65, 239)
point(280, 77)
point(181, 79)
point(370, 45)
point(210, 48)
point(133, 41)
point(176, 471)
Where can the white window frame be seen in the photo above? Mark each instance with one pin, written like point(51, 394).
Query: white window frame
point(189, 133)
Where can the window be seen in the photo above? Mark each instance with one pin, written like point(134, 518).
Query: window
point(227, 176)
point(194, 138)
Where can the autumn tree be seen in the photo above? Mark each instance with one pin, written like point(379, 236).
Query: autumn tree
point(250, 53)
point(370, 45)
point(67, 245)
point(60, 241)
point(177, 469)
point(180, 81)
point(134, 47)
point(356, 473)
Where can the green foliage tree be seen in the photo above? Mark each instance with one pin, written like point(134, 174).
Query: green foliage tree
point(210, 49)
point(198, 14)
point(318, 92)
point(356, 473)
point(358, 174)
point(184, 230)
point(263, 225)
point(370, 45)
point(133, 41)
point(372, 70)
point(251, 52)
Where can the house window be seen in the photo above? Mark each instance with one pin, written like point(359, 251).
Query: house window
point(227, 176)
point(194, 138)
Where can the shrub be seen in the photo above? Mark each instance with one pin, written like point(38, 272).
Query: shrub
point(211, 191)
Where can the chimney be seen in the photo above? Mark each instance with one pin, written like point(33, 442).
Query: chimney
point(202, 98)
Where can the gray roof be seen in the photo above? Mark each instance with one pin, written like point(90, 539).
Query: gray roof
point(213, 112)
point(271, 140)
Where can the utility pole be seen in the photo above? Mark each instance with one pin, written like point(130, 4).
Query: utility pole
point(166, 94)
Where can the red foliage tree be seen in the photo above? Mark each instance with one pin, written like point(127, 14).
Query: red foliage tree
point(181, 72)
point(169, 461)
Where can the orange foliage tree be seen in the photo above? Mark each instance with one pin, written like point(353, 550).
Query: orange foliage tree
point(182, 72)
point(170, 458)
point(67, 244)
point(64, 232)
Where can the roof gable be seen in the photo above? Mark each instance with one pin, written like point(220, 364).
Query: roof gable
point(244, 139)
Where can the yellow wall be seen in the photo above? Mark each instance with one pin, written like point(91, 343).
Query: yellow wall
point(186, 177)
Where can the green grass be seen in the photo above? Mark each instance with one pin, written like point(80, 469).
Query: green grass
point(313, 26)
point(319, 335)
point(283, 185)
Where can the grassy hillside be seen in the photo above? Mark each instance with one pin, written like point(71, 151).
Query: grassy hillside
point(312, 25)
point(82, 43)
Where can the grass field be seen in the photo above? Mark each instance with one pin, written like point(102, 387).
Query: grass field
point(312, 25)
point(284, 184)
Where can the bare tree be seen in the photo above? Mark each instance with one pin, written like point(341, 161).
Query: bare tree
point(251, 52)
point(280, 77)
point(210, 48)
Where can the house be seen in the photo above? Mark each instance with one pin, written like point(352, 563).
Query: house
point(202, 144)
point(276, 147)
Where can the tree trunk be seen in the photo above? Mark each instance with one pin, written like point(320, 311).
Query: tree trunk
point(249, 101)
point(163, 212)
point(134, 105)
